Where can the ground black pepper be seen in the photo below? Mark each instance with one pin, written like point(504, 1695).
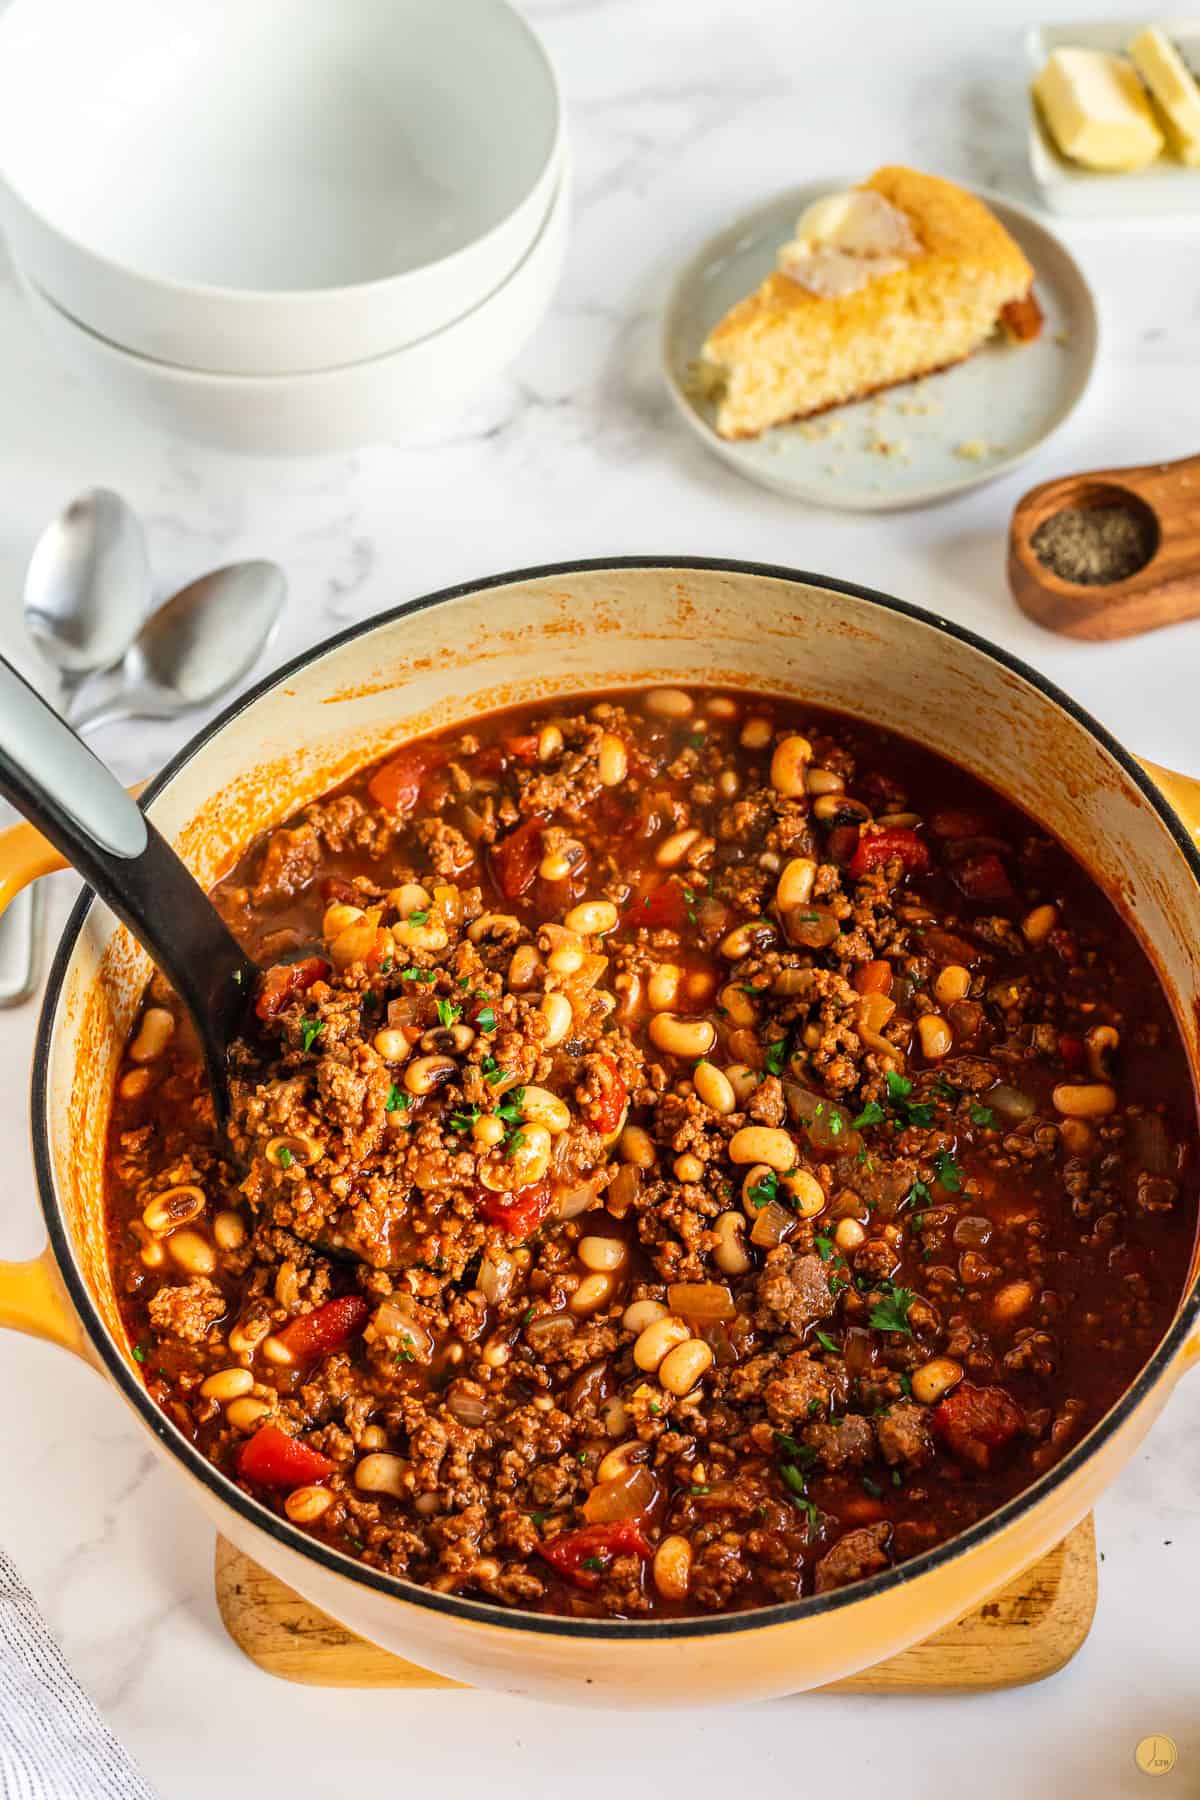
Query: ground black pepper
point(1094, 545)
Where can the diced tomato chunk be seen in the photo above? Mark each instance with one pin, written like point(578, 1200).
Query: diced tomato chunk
point(1070, 1048)
point(571, 1551)
point(334, 888)
point(284, 981)
point(841, 844)
point(666, 909)
point(872, 978)
point(876, 848)
point(522, 749)
point(983, 878)
point(974, 1422)
point(516, 857)
point(604, 1110)
point(328, 1328)
point(273, 1459)
point(519, 1213)
point(396, 784)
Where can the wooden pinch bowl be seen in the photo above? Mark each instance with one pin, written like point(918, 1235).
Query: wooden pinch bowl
point(1163, 591)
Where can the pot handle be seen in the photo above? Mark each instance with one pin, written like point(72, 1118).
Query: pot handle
point(34, 1301)
point(25, 855)
point(1183, 793)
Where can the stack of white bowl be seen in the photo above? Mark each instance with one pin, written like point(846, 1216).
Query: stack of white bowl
point(282, 225)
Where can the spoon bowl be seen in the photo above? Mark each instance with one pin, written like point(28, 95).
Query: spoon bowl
point(193, 648)
point(87, 588)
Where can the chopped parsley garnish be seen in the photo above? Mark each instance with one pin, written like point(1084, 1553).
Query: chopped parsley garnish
point(906, 1386)
point(310, 1031)
point(510, 1109)
point(764, 1189)
point(594, 1563)
point(871, 1114)
point(836, 1284)
point(827, 1343)
point(405, 1354)
point(919, 1193)
point(897, 1478)
point(802, 1455)
point(824, 1246)
point(139, 1353)
point(418, 974)
point(514, 1141)
point(699, 1488)
point(891, 1313)
point(491, 1071)
point(690, 898)
point(485, 1018)
point(697, 740)
point(527, 1315)
point(397, 1100)
point(448, 1012)
point(983, 1115)
point(285, 1157)
point(776, 1056)
point(418, 918)
point(836, 1124)
point(948, 1172)
point(943, 1089)
point(798, 1493)
point(463, 1119)
point(792, 1477)
point(910, 1112)
point(872, 1487)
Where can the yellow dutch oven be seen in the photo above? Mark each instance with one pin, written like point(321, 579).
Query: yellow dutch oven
point(523, 638)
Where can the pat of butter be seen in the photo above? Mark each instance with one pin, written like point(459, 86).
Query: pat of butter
point(1170, 81)
point(1096, 110)
point(843, 241)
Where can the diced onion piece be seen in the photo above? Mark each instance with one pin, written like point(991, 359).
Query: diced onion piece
point(772, 1225)
point(392, 1320)
point(623, 1189)
point(826, 1124)
point(624, 1497)
point(858, 1350)
point(571, 1199)
point(874, 1012)
point(700, 1300)
point(1010, 1102)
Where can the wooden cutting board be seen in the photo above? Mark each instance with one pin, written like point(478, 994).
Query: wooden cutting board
point(1027, 1631)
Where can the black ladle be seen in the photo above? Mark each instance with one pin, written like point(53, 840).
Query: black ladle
point(78, 803)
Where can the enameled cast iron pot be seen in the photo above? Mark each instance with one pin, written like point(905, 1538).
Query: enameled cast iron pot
point(525, 638)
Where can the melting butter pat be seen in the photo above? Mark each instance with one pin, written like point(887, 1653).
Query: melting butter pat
point(844, 240)
point(1096, 110)
point(1173, 85)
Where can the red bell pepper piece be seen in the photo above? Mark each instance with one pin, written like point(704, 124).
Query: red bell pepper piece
point(516, 857)
point(974, 1422)
point(519, 1213)
point(328, 1328)
point(841, 844)
point(895, 841)
point(571, 1550)
point(666, 909)
point(281, 984)
point(983, 878)
point(604, 1109)
point(396, 784)
point(273, 1459)
point(1070, 1048)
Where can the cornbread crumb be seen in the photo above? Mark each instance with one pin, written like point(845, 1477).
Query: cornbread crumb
point(973, 449)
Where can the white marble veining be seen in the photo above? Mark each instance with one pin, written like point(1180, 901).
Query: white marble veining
point(680, 112)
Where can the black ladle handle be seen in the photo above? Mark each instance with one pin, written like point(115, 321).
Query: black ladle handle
point(78, 803)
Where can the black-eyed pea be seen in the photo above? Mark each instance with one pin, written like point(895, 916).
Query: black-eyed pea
point(1101, 1044)
point(671, 852)
point(688, 1039)
point(935, 1037)
point(763, 1144)
point(662, 988)
point(688, 1167)
point(592, 918)
point(640, 1313)
point(729, 1252)
point(849, 1234)
point(952, 983)
point(229, 1230)
point(524, 968)
point(669, 703)
point(714, 1088)
point(737, 1004)
point(493, 927)
point(657, 1339)
point(795, 884)
point(603, 1255)
point(338, 917)
point(673, 1567)
point(804, 1192)
point(557, 1016)
point(409, 897)
point(935, 1378)
point(246, 1412)
point(227, 1384)
point(594, 1291)
point(192, 1252)
point(545, 1108)
point(742, 1079)
point(1077, 1136)
point(756, 734)
point(391, 1044)
point(636, 1146)
point(617, 1462)
point(174, 1207)
point(612, 760)
point(353, 944)
point(823, 781)
point(305, 1505)
point(421, 931)
point(134, 1084)
point(380, 1473)
point(550, 742)
point(1010, 1301)
point(429, 1072)
point(1084, 1100)
point(154, 1034)
point(682, 1367)
point(488, 1131)
point(789, 762)
point(1037, 925)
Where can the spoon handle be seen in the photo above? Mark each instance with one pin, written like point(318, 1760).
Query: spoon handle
point(78, 803)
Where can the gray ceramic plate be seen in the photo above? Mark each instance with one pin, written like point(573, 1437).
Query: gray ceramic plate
point(913, 444)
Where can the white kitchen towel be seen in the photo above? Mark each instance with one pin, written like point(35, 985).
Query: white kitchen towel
point(53, 1743)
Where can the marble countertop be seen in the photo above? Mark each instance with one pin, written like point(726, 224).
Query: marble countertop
point(680, 114)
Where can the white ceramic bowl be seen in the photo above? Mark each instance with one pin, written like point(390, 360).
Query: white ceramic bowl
point(329, 409)
point(275, 186)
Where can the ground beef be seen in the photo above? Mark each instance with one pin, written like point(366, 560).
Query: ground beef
point(188, 1311)
point(858, 1553)
point(793, 1291)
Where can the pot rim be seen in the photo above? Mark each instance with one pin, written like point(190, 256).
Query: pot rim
point(485, 1612)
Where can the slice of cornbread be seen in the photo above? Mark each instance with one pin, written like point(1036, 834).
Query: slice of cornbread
point(1173, 86)
point(931, 287)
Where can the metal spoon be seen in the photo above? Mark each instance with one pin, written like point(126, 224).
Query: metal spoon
point(87, 591)
point(79, 804)
point(194, 647)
